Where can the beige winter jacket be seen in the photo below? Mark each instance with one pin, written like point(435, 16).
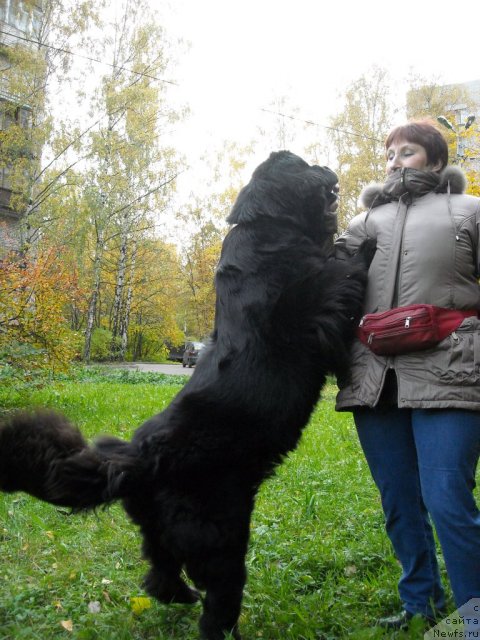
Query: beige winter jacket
point(427, 252)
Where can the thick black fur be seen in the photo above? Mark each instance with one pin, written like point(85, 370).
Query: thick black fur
point(188, 478)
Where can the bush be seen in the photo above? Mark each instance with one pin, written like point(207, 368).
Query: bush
point(101, 345)
point(34, 332)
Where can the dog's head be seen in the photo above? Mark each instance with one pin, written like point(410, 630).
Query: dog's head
point(286, 187)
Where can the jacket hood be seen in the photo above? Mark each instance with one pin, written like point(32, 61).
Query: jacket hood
point(414, 182)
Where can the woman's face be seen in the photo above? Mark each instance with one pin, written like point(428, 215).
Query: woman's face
point(402, 153)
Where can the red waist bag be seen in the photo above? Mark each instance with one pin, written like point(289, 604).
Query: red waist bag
point(407, 329)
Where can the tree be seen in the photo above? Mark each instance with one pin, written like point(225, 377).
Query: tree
point(427, 97)
point(200, 258)
point(155, 293)
point(33, 299)
point(132, 174)
point(39, 284)
point(94, 192)
point(358, 135)
point(430, 98)
point(32, 64)
point(202, 227)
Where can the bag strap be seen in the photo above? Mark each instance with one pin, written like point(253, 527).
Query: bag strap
point(390, 281)
point(448, 320)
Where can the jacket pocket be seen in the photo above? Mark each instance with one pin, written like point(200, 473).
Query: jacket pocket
point(457, 358)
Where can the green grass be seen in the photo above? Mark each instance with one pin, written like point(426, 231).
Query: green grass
point(319, 564)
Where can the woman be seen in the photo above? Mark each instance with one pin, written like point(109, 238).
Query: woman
point(418, 414)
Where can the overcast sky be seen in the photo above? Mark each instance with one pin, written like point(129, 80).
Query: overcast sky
point(244, 54)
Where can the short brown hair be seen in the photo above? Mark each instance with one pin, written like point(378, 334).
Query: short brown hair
point(424, 133)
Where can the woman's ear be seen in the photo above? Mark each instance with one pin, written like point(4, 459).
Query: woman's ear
point(437, 167)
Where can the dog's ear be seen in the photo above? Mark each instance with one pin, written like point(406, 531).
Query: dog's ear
point(269, 191)
point(264, 198)
point(246, 205)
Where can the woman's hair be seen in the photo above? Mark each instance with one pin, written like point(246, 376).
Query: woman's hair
point(426, 134)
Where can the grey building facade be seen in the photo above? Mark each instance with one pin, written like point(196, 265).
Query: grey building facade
point(19, 23)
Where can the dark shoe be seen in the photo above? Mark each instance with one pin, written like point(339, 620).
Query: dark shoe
point(402, 620)
point(399, 621)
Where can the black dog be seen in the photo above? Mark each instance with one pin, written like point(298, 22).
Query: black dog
point(284, 317)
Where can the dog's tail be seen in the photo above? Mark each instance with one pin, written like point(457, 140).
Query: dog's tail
point(44, 455)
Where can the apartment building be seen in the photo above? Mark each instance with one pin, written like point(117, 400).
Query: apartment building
point(19, 24)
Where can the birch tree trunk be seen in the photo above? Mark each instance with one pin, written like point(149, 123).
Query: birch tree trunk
point(125, 320)
point(119, 287)
point(92, 307)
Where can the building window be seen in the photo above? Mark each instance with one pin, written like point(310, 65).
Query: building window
point(7, 114)
point(13, 114)
point(21, 16)
point(5, 179)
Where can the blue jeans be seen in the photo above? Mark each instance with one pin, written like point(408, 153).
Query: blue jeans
point(424, 462)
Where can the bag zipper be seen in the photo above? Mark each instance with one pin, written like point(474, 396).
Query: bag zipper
point(408, 319)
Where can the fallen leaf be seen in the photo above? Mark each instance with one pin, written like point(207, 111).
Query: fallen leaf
point(50, 534)
point(139, 604)
point(106, 581)
point(350, 571)
point(67, 625)
point(106, 596)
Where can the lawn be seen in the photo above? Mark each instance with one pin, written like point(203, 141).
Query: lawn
point(319, 564)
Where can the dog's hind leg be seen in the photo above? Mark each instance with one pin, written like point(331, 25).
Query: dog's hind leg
point(163, 581)
point(223, 577)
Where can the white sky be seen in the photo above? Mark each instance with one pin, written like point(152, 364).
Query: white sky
point(243, 54)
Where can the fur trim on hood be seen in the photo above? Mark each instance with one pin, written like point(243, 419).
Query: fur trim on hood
point(376, 194)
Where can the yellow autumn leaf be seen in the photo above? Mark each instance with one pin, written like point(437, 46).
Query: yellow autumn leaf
point(67, 625)
point(139, 604)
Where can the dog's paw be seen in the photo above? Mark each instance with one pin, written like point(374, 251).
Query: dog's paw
point(177, 592)
point(367, 250)
point(213, 632)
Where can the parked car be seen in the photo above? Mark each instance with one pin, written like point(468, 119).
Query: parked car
point(175, 353)
point(192, 351)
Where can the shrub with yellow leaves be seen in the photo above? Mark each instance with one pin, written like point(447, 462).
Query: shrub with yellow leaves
point(34, 294)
